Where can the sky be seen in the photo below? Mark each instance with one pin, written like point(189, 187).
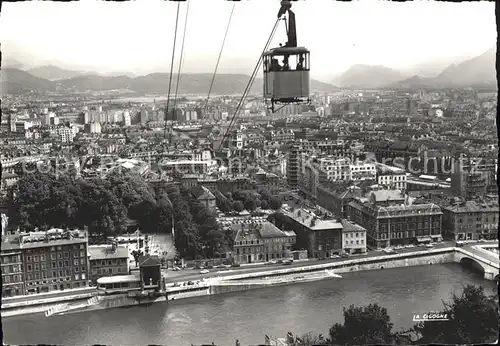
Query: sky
point(138, 36)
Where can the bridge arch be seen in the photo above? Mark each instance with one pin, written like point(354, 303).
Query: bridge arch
point(472, 263)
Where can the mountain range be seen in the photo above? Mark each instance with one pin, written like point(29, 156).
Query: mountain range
point(476, 71)
point(15, 81)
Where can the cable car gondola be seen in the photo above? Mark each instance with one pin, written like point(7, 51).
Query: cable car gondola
point(286, 68)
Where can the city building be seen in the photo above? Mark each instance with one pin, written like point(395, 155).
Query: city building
point(150, 271)
point(393, 220)
point(204, 196)
point(335, 169)
point(321, 237)
point(473, 178)
point(353, 237)
point(281, 135)
point(184, 167)
point(261, 241)
point(426, 183)
point(362, 171)
point(66, 134)
point(108, 260)
point(471, 220)
point(391, 177)
point(293, 166)
point(52, 260)
point(13, 283)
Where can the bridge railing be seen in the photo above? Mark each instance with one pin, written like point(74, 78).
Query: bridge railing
point(477, 257)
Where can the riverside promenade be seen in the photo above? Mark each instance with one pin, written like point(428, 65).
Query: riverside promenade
point(441, 253)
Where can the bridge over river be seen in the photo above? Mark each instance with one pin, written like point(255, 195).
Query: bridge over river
point(483, 257)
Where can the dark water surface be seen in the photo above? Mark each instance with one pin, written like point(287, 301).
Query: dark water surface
point(248, 316)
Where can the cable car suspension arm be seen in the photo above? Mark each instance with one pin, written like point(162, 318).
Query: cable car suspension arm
point(291, 30)
point(250, 82)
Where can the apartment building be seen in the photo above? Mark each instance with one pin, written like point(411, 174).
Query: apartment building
point(260, 241)
point(321, 237)
point(106, 260)
point(12, 269)
point(52, 260)
point(391, 220)
point(353, 237)
point(471, 220)
point(474, 177)
point(390, 176)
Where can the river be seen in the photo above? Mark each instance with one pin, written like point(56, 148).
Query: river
point(249, 315)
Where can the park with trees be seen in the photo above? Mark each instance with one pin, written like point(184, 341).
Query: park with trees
point(124, 202)
point(248, 200)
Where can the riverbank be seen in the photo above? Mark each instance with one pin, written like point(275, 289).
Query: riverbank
point(233, 283)
point(300, 308)
point(248, 281)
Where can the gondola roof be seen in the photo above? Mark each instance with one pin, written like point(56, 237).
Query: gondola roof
point(286, 50)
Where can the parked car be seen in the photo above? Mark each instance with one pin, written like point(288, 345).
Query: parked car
point(235, 265)
point(429, 246)
point(334, 256)
point(344, 255)
point(287, 262)
point(176, 269)
point(205, 271)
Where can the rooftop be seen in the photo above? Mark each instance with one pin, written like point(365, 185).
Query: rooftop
point(118, 279)
point(349, 226)
point(98, 252)
point(53, 237)
point(473, 206)
point(312, 221)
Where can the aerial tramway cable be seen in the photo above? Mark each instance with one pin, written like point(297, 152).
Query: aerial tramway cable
point(220, 54)
point(250, 82)
point(171, 71)
point(181, 58)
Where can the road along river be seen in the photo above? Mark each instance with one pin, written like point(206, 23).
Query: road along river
point(249, 315)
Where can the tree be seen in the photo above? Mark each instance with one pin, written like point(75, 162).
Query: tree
point(275, 203)
point(136, 254)
point(238, 206)
point(222, 202)
point(100, 210)
point(473, 319)
point(363, 326)
point(250, 204)
point(264, 204)
point(163, 214)
point(44, 200)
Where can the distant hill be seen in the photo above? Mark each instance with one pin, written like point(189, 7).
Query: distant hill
point(53, 73)
point(190, 83)
point(11, 63)
point(96, 83)
point(368, 76)
point(475, 72)
point(16, 81)
point(478, 70)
